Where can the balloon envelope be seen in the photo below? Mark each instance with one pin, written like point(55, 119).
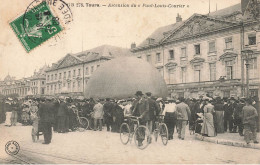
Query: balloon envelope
point(122, 77)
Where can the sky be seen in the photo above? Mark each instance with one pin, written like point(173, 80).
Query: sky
point(91, 27)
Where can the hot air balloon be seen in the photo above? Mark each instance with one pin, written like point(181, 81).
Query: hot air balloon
point(122, 77)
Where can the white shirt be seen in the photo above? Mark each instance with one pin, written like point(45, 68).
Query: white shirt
point(171, 107)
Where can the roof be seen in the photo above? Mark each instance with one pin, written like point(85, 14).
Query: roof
point(107, 51)
point(227, 11)
point(159, 34)
point(98, 53)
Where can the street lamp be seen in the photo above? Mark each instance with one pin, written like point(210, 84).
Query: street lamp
point(247, 56)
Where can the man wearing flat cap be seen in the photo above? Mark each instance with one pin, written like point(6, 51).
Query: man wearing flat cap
point(140, 109)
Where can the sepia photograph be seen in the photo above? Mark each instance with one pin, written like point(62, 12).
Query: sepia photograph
point(129, 82)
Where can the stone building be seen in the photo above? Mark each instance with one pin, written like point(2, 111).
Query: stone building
point(17, 88)
point(34, 85)
point(38, 81)
point(71, 73)
point(202, 55)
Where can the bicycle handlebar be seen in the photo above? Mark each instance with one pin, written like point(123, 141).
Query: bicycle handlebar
point(133, 117)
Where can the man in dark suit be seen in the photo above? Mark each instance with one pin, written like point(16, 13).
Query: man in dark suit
point(108, 110)
point(154, 110)
point(140, 109)
point(46, 118)
point(62, 114)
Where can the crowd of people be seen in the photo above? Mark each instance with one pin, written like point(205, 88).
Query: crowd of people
point(205, 115)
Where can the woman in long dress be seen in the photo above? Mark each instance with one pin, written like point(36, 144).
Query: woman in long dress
point(8, 113)
point(208, 122)
point(35, 120)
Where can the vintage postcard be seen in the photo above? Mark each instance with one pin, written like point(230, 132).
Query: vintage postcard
point(129, 81)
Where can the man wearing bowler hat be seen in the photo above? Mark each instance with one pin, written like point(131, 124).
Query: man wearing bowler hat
point(140, 108)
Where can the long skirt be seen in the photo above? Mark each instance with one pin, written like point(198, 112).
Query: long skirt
point(220, 121)
point(208, 125)
point(8, 118)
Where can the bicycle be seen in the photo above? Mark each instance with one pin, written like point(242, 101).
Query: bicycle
point(82, 122)
point(140, 133)
point(161, 129)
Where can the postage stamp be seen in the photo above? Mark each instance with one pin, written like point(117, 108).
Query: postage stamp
point(36, 25)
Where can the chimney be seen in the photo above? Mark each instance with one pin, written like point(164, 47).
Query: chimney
point(133, 45)
point(178, 18)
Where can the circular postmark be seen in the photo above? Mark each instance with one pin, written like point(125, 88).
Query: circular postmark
point(12, 147)
point(44, 19)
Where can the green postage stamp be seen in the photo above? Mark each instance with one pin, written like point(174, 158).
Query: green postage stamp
point(36, 25)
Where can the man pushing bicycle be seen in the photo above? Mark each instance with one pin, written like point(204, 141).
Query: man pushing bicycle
point(140, 109)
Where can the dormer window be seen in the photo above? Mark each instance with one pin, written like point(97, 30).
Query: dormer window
point(150, 40)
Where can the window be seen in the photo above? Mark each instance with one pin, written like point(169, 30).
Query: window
point(42, 82)
point(78, 84)
point(79, 72)
point(73, 85)
point(183, 52)
point(48, 77)
point(253, 68)
point(74, 73)
point(158, 57)
point(69, 74)
point(180, 94)
point(92, 69)
point(197, 73)
point(252, 39)
point(64, 75)
point(171, 75)
point(56, 76)
point(52, 77)
point(197, 49)
point(47, 88)
point(54, 87)
point(148, 58)
point(87, 71)
point(68, 85)
point(212, 47)
point(228, 43)
point(51, 87)
point(212, 71)
point(59, 75)
point(171, 54)
point(253, 92)
point(226, 94)
point(183, 74)
point(59, 86)
point(229, 70)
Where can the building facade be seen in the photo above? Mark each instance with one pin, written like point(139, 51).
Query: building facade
point(202, 55)
point(17, 88)
point(71, 74)
point(34, 85)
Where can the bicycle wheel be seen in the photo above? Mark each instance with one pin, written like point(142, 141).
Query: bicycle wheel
point(164, 133)
point(125, 133)
point(83, 123)
point(91, 123)
point(142, 137)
